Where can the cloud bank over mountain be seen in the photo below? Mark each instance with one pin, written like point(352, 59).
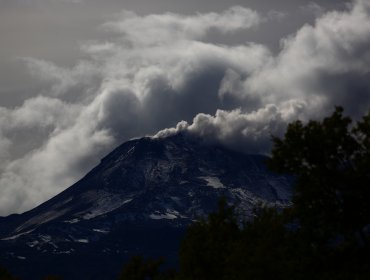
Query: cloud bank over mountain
point(162, 73)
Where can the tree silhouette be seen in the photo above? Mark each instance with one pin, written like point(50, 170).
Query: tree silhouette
point(138, 268)
point(208, 244)
point(5, 275)
point(331, 161)
point(52, 277)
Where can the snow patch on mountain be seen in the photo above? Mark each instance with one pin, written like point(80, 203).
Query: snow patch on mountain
point(213, 182)
point(73, 221)
point(82, 240)
point(102, 202)
point(101, 230)
point(17, 235)
point(42, 219)
point(33, 243)
point(168, 215)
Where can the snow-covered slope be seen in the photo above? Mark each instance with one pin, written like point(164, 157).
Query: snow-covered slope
point(138, 200)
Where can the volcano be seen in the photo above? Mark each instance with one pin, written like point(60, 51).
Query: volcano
point(137, 201)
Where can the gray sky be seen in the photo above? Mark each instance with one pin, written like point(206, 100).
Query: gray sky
point(78, 78)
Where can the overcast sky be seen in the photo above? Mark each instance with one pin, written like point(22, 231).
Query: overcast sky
point(79, 77)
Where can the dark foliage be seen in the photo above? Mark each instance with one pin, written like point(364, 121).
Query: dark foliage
point(52, 277)
point(140, 269)
point(332, 163)
point(208, 244)
point(5, 275)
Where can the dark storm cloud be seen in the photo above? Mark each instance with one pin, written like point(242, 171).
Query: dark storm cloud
point(142, 80)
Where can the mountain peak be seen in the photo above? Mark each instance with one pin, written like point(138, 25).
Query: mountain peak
point(143, 185)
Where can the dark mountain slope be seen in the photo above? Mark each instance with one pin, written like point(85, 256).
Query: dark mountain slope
point(138, 200)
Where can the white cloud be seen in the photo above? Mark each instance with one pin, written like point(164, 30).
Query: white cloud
point(167, 28)
point(28, 129)
point(321, 62)
point(318, 67)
